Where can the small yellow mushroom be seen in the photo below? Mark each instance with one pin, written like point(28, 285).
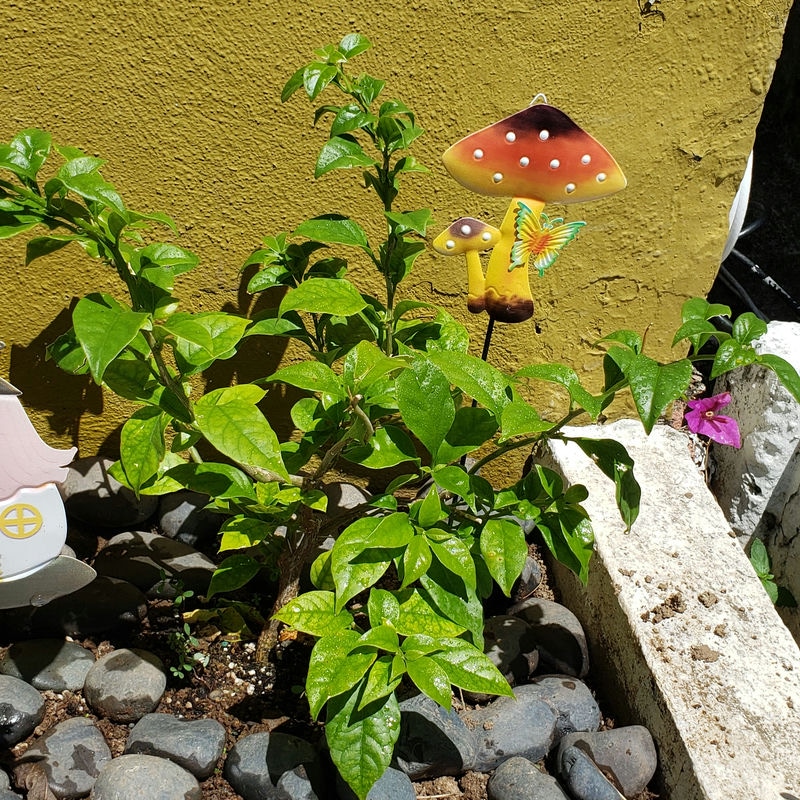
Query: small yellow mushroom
point(469, 236)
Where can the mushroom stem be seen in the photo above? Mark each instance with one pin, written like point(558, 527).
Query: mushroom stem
point(507, 295)
point(475, 282)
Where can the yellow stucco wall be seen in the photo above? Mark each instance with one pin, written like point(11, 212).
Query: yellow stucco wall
point(182, 99)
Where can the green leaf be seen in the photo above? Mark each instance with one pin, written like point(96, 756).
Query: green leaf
point(365, 364)
point(233, 573)
point(324, 296)
point(380, 637)
point(334, 667)
point(313, 376)
point(341, 152)
point(786, 373)
point(468, 668)
point(45, 245)
point(362, 740)
point(316, 77)
point(453, 601)
point(504, 550)
point(205, 337)
point(475, 377)
point(430, 678)
point(382, 608)
point(748, 327)
point(570, 538)
point(26, 153)
point(419, 616)
point(142, 446)
point(80, 175)
point(334, 229)
point(388, 447)
point(104, 328)
point(292, 85)
point(314, 613)
point(631, 340)
point(430, 509)
point(614, 462)
point(68, 354)
point(415, 560)
point(731, 355)
point(471, 428)
point(698, 332)
point(350, 118)
point(232, 423)
point(700, 308)
point(567, 377)
point(521, 419)
point(382, 679)
point(454, 555)
point(240, 532)
point(423, 397)
point(216, 480)
point(759, 558)
point(353, 44)
point(410, 221)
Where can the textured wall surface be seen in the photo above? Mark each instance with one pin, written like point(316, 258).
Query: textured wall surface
point(182, 100)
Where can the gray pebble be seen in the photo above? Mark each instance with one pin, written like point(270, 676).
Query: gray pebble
point(392, 785)
point(519, 779)
point(195, 745)
point(21, 710)
point(528, 581)
point(72, 753)
point(183, 516)
point(296, 785)
point(92, 496)
point(124, 685)
point(520, 726)
point(560, 638)
point(105, 604)
point(571, 699)
point(140, 557)
point(146, 777)
point(583, 777)
point(256, 763)
point(7, 794)
point(5, 783)
point(48, 664)
point(627, 755)
point(432, 741)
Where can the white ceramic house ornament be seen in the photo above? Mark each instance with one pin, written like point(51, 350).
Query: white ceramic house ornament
point(33, 524)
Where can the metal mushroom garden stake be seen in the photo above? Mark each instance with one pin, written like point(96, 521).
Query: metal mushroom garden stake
point(536, 156)
point(33, 525)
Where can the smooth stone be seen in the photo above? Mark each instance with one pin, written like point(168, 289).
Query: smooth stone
point(7, 794)
point(519, 779)
point(575, 707)
point(104, 605)
point(627, 755)
point(195, 745)
point(296, 785)
point(92, 496)
point(583, 778)
point(5, 782)
point(256, 763)
point(183, 516)
point(432, 741)
point(48, 664)
point(523, 725)
point(147, 777)
point(528, 581)
point(392, 785)
point(72, 753)
point(155, 564)
point(21, 710)
point(124, 685)
point(560, 638)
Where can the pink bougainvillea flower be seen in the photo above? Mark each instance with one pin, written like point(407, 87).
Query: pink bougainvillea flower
point(703, 418)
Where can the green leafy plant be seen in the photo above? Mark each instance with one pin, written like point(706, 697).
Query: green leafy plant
point(388, 385)
point(759, 558)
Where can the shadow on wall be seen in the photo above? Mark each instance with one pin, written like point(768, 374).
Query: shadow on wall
point(64, 398)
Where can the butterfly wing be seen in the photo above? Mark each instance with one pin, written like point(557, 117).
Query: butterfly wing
point(541, 238)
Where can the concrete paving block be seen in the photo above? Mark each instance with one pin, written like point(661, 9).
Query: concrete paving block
point(681, 629)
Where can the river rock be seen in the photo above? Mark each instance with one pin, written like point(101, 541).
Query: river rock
point(183, 516)
point(92, 496)
point(149, 777)
point(519, 779)
point(523, 725)
point(528, 581)
point(104, 605)
point(256, 763)
point(296, 785)
point(72, 753)
point(432, 741)
point(21, 710)
point(155, 564)
point(124, 685)
point(48, 664)
point(392, 785)
point(571, 699)
point(627, 755)
point(583, 777)
point(560, 638)
point(195, 745)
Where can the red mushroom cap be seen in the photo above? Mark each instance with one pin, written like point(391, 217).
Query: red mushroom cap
point(539, 153)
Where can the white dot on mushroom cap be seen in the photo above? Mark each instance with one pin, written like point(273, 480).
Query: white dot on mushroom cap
point(497, 177)
point(524, 161)
point(587, 159)
point(601, 176)
point(555, 164)
point(511, 136)
point(569, 188)
point(544, 135)
point(486, 236)
point(477, 153)
point(466, 230)
point(449, 244)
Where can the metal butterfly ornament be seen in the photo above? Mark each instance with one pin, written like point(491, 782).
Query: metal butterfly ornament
point(540, 238)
